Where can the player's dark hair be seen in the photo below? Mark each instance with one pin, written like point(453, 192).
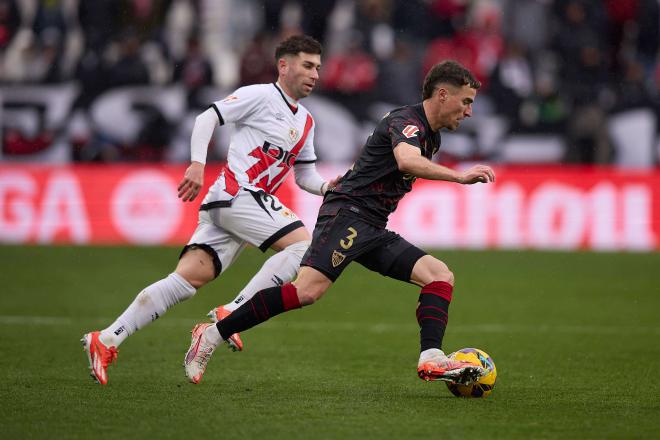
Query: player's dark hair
point(296, 44)
point(448, 72)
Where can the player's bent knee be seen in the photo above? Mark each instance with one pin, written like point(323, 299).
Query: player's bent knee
point(298, 249)
point(197, 267)
point(429, 269)
point(445, 275)
point(294, 254)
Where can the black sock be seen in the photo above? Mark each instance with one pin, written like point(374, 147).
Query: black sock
point(432, 314)
point(261, 307)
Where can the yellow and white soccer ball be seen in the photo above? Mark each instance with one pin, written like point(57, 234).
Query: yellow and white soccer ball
point(483, 386)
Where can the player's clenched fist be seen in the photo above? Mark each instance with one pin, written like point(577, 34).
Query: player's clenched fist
point(477, 174)
point(192, 182)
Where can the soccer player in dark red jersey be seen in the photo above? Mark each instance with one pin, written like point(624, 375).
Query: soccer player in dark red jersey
point(352, 222)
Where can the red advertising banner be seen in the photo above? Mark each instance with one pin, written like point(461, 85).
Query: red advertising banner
point(530, 207)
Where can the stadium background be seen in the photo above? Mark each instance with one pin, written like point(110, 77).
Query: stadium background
point(556, 263)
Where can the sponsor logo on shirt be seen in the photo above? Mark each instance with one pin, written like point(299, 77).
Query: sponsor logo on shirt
point(410, 131)
point(279, 153)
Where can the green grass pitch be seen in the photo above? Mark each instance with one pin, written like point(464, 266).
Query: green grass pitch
point(575, 336)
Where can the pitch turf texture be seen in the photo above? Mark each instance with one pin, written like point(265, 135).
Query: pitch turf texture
point(575, 336)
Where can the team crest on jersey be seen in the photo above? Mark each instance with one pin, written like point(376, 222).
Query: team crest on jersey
point(293, 134)
point(410, 131)
point(288, 213)
point(230, 98)
point(337, 258)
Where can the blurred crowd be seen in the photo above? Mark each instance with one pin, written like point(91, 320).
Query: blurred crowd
point(548, 66)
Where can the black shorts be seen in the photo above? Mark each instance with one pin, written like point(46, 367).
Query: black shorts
point(340, 239)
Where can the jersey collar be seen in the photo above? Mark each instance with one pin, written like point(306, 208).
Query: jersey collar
point(420, 109)
point(290, 102)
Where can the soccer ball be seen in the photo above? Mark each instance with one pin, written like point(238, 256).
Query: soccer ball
point(483, 386)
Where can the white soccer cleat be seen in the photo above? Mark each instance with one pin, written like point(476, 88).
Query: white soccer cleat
point(218, 314)
point(435, 365)
point(198, 354)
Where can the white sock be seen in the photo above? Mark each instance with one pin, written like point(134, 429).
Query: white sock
point(277, 270)
point(212, 335)
point(148, 306)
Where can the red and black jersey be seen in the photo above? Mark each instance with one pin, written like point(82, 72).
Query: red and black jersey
point(374, 185)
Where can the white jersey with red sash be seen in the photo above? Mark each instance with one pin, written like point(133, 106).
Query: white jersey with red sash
point(272, 132)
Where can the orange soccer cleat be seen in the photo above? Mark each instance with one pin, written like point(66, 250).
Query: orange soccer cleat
point(218, 314)
point(99, 356)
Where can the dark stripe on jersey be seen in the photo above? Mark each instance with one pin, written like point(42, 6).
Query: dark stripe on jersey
point(279, 234)
point(216, 204)
point(217, 112)
point(293, 109)
point(298, 162)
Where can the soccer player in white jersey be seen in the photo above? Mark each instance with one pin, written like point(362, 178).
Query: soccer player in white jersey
point(274, 134)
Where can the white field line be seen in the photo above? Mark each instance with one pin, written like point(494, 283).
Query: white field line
point(344, 326)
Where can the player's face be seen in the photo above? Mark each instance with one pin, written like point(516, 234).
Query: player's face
point(456, 105)
point(299, 73)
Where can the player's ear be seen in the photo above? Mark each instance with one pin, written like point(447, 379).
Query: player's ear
point(282, 65)
point(441, 94)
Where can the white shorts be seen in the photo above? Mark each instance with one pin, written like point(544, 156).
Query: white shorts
point(253, 217)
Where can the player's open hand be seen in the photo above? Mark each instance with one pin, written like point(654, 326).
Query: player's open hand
point(192, 182)
point(477, 174)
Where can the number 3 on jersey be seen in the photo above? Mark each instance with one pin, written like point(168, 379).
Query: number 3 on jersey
point(347, 242)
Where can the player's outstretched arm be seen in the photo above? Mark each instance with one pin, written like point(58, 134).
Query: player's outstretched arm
point(410, 160)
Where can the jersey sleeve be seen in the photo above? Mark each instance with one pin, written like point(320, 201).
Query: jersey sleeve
point(404, 129)
point(239, 105)
point(307, 153)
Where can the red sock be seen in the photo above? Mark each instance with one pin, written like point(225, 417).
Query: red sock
point(290, 299)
